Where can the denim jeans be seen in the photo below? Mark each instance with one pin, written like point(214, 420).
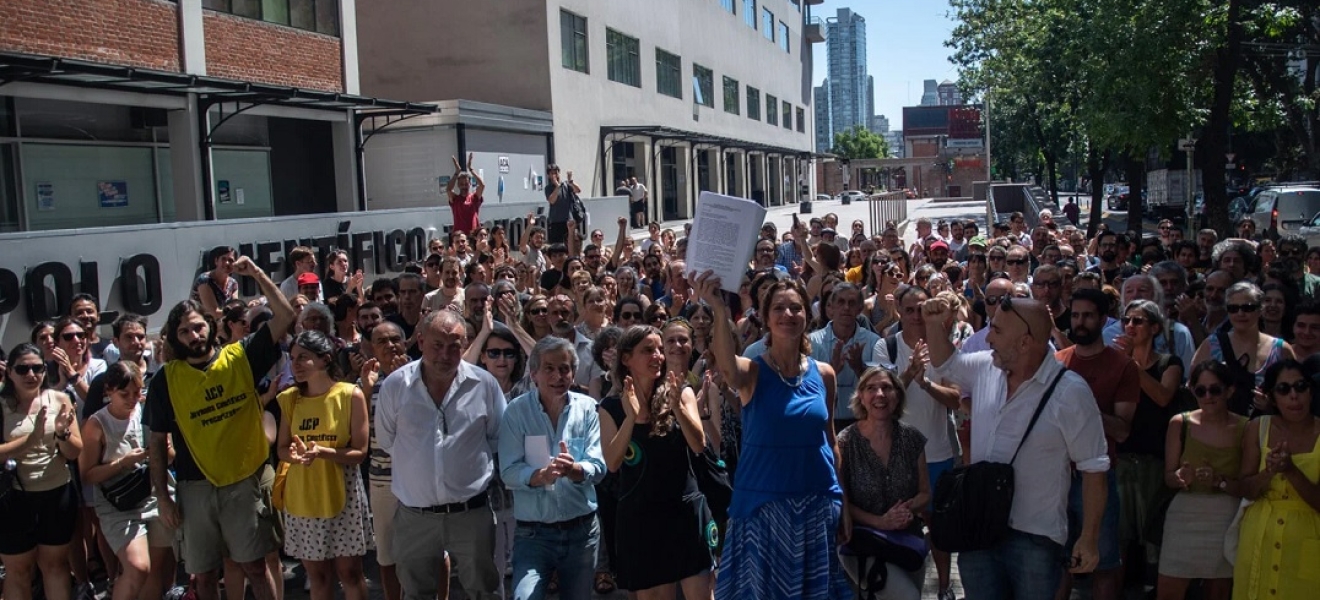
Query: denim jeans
point(539, 550)
point(1022, 567)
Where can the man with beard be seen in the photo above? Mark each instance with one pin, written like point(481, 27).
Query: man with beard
point(387, 344)
point(1292, 257)
point(206, 402)
point(563, 314)
point(1006, 386)
point(410, 309)
point(1047, 287)
point(1116, 387)
point(1110, 267)
point(464, 203)
point(1205, 316)
point(450, 291)
point(385, 293)
point(842, 343)
point(939, 254)
point(1205, 244)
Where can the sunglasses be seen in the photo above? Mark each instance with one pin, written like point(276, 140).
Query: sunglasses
point(1301, 387)
point(659, 317)
point(631, 316)
point(1134, 320)
point(1234, 309)
point(37, 369)
point(1290, 253)
point(1165, 228)
point(1017, 261)
point(993, 257)
point(993, 300)
point(538, 311)
point(497, 353)
point(73, 335)
point(1202, 391)
point(1048, 284)
point(976, 258)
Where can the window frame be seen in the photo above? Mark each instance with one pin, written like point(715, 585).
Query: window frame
point(311, 9)
point(768, 23)
point(674, 70)
point(753, 103)
point(568, 38)
point(786, 114)
point(737, 96)
point(772, 110)
point(707, 90)
point(783, 37)
point(749, 13)
point(632, 49)
point(801, 119)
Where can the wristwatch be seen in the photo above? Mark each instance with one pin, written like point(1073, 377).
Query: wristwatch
point(64, 437)
point(1222, 485)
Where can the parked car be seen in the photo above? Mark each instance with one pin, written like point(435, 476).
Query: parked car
point(823, 197)
point(1118, 199)
point(850, 196)
point(1311, 231)
point(1285, 208)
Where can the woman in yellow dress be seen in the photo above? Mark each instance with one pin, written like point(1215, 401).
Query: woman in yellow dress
point(1278, 554)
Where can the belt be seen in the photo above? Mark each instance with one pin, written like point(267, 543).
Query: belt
point(476, 501)
point(569, 524)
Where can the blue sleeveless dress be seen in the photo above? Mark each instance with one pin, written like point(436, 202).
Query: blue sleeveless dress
point(785, 513)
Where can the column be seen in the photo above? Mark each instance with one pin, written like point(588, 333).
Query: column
point(186, 161)
point(343, 135)
point(348, 45)
point(192, 38)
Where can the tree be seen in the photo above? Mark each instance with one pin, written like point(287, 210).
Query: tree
point(860, 143)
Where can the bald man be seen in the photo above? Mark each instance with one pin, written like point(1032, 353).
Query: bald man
point(1007, 384)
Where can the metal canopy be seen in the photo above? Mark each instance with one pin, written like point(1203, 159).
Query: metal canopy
point(662, 132)
point(210, 90)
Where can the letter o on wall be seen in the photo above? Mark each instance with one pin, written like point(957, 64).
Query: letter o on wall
point(41, 305)
point(139, 284)
point(10, 291)
point(415, 246)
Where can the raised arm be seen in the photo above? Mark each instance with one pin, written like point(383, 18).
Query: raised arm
point(481, 185)
point(738, 372)
point(278, 304)
point(616, 257)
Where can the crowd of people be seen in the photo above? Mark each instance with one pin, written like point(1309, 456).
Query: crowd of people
point(556, 414)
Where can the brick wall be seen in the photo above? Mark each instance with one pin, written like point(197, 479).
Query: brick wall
point(248, 50)
point(140, 33)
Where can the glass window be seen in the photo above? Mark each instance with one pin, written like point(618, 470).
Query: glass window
point(801, 120)
point(220, 5)
point(321, 16)
point(573, 41)
point(783, 36)
point(727, 5)
point(787, 115)
point(749, 13)
point(704, 83)
point(247, 8)
point(625, 60)
point(797, 4)
point(668, 73)
point(753, 103)
point(768, 24)
point(731, 100)
point(327, 17)
point(771, 110)
point(302, 14)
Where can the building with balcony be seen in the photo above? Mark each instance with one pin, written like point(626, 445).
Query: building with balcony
point(685, 95)
point(948, 93)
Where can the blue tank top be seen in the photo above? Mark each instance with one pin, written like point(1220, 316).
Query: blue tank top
point(786, 452)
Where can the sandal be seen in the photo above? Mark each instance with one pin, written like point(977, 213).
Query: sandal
point(604, 583)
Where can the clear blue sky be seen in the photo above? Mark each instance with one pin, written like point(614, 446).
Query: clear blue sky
point(904, 46)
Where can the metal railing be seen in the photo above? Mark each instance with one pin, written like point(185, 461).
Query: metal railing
point(889, 206)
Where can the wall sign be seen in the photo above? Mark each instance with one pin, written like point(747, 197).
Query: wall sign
point(112, 194)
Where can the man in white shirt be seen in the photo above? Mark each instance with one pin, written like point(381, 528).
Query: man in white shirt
point(439, 419)
point(637, 202)
point(842, 343)
point(1007, 384)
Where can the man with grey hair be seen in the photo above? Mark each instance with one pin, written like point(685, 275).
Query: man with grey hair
point(439, 420)
point(551, 459)
point(1236, 256)
point(563, 314)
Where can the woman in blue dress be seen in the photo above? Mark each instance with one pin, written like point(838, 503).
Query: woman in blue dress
point(787, 511)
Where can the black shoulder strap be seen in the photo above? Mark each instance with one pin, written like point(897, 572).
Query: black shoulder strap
point(1039, 409)
point(891, 344)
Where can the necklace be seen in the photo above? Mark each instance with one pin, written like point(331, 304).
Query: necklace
point(795, 382)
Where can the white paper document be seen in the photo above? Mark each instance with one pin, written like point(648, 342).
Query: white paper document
point(536, 451)
point(724, 232)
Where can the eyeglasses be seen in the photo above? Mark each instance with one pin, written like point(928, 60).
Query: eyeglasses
point(1301, 387)
point(1134, 320)
point(506, 353)
point(1165, 228)
point(661, 317)
point(73, 335)
point(1017, 261)
point(993, 300)
point(1202, 391)
point(1234, 309)
point(37, 369)
point(536, 312)
point(994, 258)
point(1294, 253)
point(631, 316)
point(976, 258)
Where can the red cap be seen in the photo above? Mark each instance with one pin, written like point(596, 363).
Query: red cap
point(308, 279)
point(939, 244)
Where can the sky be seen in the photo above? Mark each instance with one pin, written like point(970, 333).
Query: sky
point(904, 46)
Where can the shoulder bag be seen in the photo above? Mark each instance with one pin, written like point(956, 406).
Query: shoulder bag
point(132, 490)
point(973, 502)
point(8, 476)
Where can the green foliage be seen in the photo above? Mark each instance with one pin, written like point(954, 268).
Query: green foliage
point(860, 143)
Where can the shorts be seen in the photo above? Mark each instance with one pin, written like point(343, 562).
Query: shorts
point(234, 521)
point(34, 519)
point(120, 528)
point(383, 505)
point(935, 470)
point(1110, 556)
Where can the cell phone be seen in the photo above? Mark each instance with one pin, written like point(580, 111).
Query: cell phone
point(796, 222)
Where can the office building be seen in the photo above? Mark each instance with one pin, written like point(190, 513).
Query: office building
point(895, 141)
point(949, 94)
point(880, 124)
point(824, 131)
point(686, 95)
point(851, 97)
point(930, 96)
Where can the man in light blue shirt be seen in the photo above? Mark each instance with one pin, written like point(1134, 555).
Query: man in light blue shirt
point(550, 458)
point(842, 343)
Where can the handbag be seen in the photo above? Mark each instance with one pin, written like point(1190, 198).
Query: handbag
point(1235, 527)
point(902, 549)
point(973, 502)
point(133, 489)
point(279, 486)
point(130, 491)
point(8, 476)
point(1159, 505)
point(713, 481)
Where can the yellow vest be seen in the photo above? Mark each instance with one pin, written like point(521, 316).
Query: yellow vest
point(219, 414)
point(317, 490)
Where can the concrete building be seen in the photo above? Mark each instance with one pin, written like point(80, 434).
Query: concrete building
point(949, 94)
point(851, 92)
point(930, 96)
point(880, 124)
point(686, 95)
point(895, 140)
point(824, 131)
point(137, 112)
